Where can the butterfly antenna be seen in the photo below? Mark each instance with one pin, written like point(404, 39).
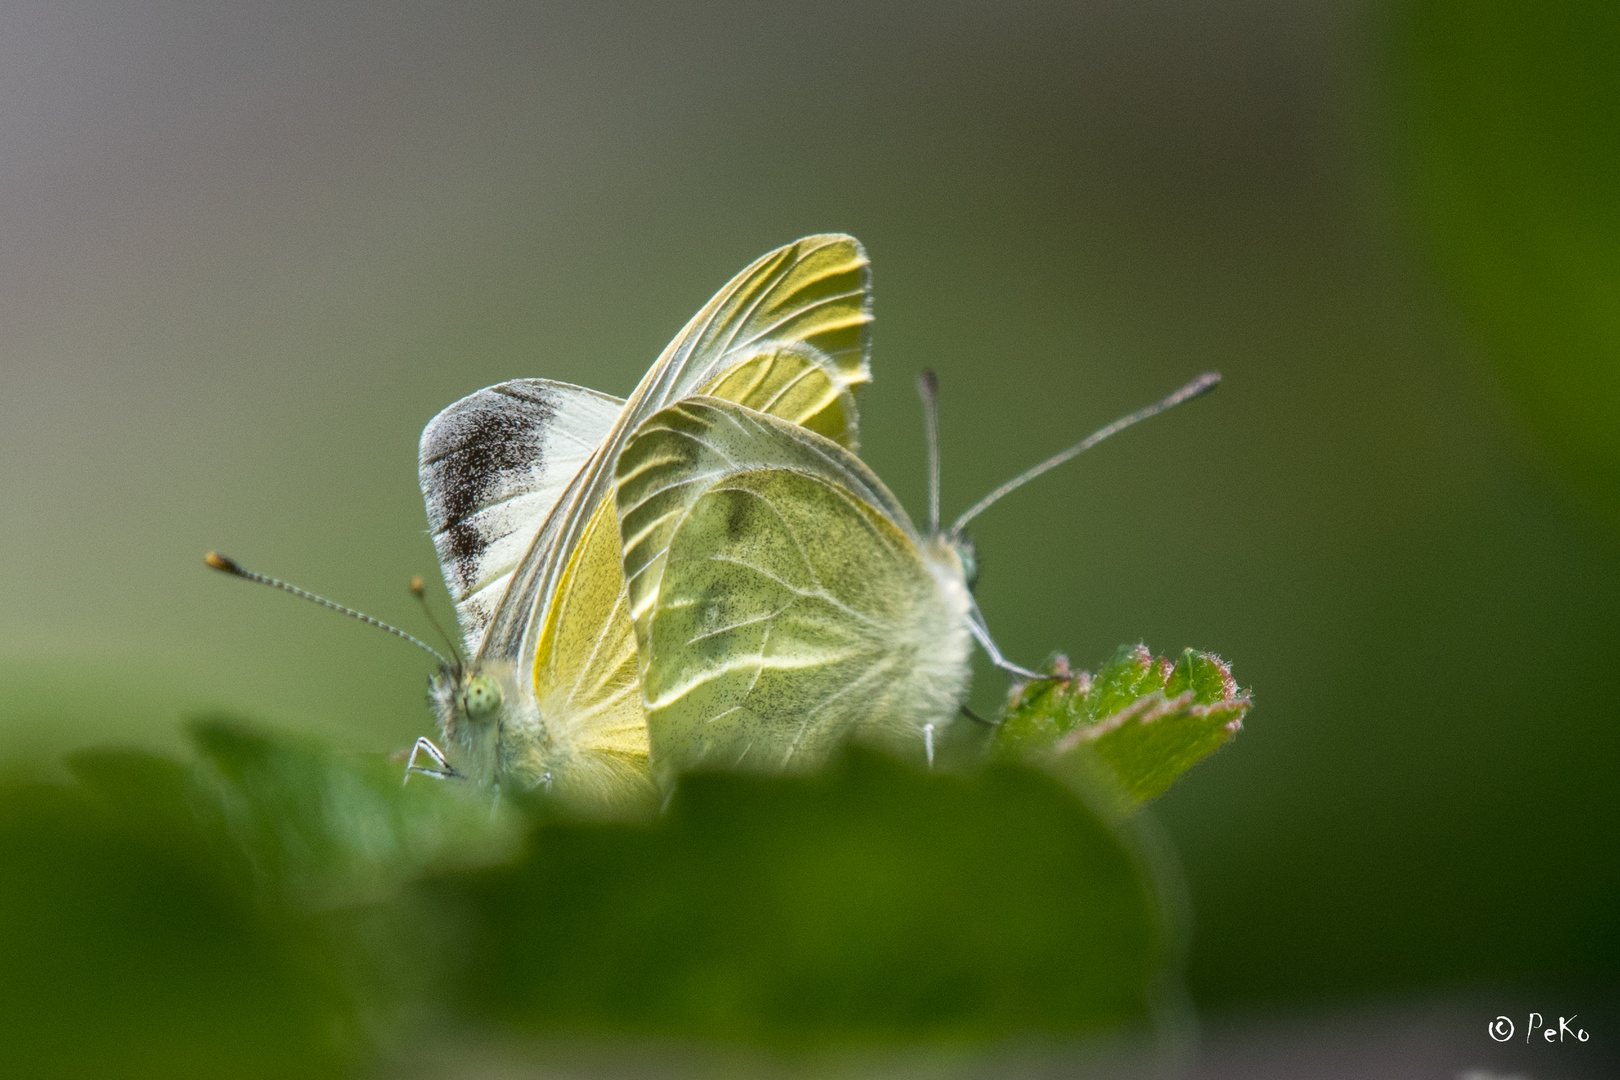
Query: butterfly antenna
point(219, 562)
point(1201, 385)
point(928, 389)
point(418, 591)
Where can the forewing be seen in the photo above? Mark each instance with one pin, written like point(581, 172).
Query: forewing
point(814, 292)
point(795, 383)
point(810, 299)
point(491, 467)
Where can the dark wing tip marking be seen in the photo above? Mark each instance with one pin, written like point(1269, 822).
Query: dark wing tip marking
point(481, 448)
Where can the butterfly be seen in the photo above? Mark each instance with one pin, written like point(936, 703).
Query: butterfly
point(783, 600)
point(518, 481)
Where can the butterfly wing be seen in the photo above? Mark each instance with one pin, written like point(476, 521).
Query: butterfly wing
point(806, 304)
point(491, 467)
point(588, 730)
point(795, 383)
point(781, 598)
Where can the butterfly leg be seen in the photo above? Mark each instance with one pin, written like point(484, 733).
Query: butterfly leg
point(976, 718)
point(441, 769)
point(928, 743)
point(982, 636)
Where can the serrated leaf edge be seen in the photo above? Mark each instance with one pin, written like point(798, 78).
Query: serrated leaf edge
point(1151, 707)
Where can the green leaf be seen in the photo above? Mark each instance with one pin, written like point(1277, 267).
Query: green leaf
point(873, 903)
point(306, 844)
point(128, 948)
point(1142, 719)
point(323, 828)
point(1507, 112)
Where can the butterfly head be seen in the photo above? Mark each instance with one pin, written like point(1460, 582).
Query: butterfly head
point(481, 698)
point(476, 697)
point(468, 704)
point(466, 701)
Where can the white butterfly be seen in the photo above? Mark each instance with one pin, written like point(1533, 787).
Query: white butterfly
point(519, 480)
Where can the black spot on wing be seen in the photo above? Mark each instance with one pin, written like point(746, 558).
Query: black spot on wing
point(479, 450)
point(459, 547)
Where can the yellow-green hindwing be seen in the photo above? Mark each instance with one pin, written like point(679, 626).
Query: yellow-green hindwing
point(782, 601)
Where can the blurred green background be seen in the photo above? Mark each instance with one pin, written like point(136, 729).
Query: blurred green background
point(249, 249)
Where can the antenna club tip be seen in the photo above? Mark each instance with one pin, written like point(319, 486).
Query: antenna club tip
point(927, 381)
point(215, 561)
point(1206, 382)
point(418, 590)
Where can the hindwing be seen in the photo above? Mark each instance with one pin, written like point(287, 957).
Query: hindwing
point(783, 602)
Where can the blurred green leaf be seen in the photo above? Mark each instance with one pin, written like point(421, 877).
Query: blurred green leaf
point(253, 913)
point(873, 903)
point(1508, 111)
point(274, 859)
point(323, 828)
point(126, 951)
point(1143, 719)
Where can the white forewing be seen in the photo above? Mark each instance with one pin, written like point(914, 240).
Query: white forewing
point(492, 467)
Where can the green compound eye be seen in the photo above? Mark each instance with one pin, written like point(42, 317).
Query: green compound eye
point(482, 697)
